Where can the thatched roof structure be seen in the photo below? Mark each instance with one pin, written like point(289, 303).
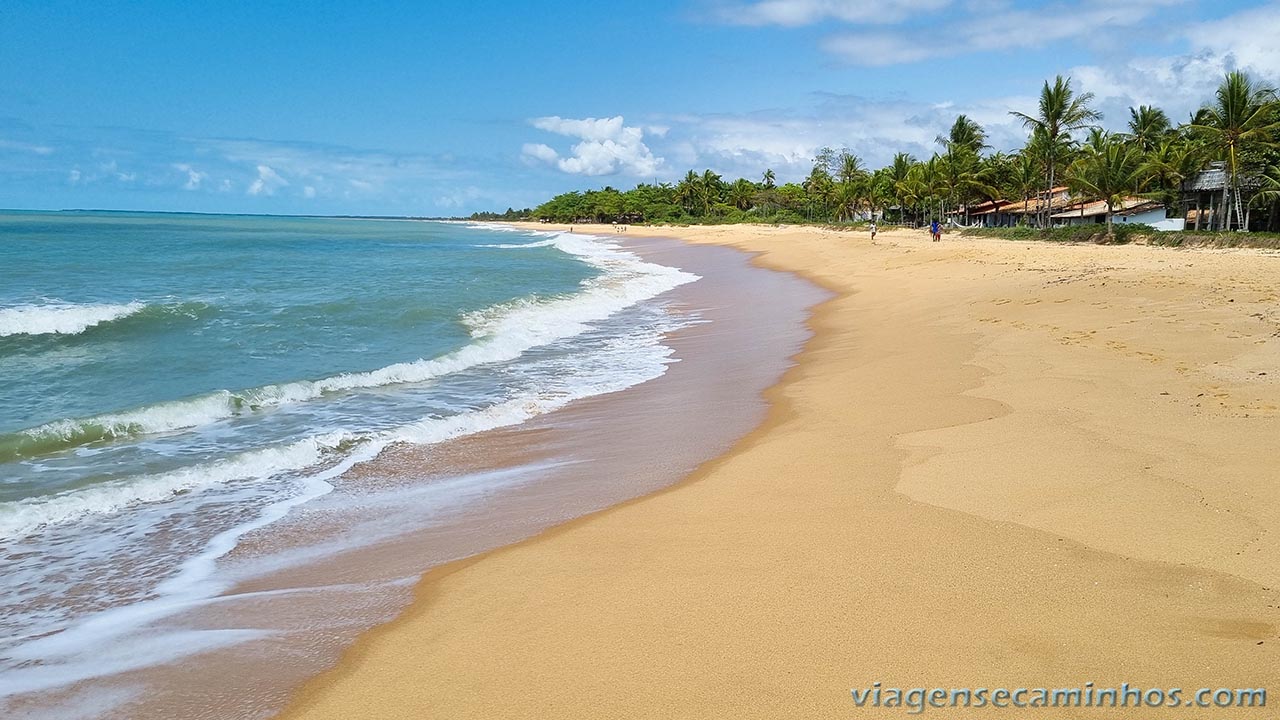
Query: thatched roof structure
point(1214, 179)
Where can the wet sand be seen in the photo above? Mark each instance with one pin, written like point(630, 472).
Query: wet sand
point(996, 464)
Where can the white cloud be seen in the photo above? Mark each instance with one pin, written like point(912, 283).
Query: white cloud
point(875, 50)
point(267, 183)
point(539, 152)
point(194, 177)
point(308, 192)
point(1180, 84)
point(1249, 38)
point(73, 177)
point(793, 13)
point(607, 147)
point(460, 197)
point(743, 145)
point(25, 147)
point(1036, 27)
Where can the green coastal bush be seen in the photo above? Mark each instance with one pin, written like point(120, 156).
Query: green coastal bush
point(1123, 233)
point(1128, 233)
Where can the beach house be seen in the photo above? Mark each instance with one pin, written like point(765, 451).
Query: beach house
point(1205, 203)
point(1139, 211)
point(1008, 213)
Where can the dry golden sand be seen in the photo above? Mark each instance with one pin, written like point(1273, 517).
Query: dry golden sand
point(996, 464)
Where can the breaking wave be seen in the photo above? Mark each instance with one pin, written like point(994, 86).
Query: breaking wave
point(58, 318)
point(500, 333)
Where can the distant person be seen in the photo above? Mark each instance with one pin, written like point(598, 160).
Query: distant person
point(873, 231)
point(936, 230)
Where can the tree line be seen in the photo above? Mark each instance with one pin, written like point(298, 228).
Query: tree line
point(1151, 158)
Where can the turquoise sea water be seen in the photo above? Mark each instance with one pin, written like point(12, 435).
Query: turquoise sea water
point(170, 383)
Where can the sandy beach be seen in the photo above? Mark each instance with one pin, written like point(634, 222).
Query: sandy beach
point(996, 464)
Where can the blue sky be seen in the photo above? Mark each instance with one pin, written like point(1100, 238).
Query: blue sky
point(446, 108)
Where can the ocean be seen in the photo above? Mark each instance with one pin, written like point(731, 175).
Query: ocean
point(192, 405)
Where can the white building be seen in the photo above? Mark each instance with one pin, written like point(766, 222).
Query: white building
point(1138, 211)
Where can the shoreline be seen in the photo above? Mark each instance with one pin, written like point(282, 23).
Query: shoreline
point(638, 609)
point(348, 562)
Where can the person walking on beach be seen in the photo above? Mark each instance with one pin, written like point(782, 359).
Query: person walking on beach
point(873, 231)
point(936, 230)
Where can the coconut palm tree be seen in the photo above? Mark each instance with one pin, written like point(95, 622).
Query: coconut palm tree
point(768, 179)
point(1172, 162)
point(1269, 190)
point(878, 190)
point(911, 190)
point(935, 184)
point(1097, 140)
point(1024, 177)
point(965, 134)
point(741, 193)
point(819, 189)
point(847, 198)
point(963, 177)
point(1108, 173)
point(709, 190)
point(849, 168)
point(1243, 116)
point(898, 170)
point(1061, 111)
point(689, 191)
point(1147, 126)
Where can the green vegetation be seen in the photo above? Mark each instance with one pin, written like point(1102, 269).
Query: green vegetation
point(1153, 159)
point(1131, 232)
point(511, 215)
point(1119, 235)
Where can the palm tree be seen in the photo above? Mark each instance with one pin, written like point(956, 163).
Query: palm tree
point(689, 191)
point(1024, 176)
point(848, 198)
point(1097, 139)
point(849, 168)
point(1108, 173)
point(709, 190)
point(963, 177)
point(1061, 111)
point(912, 190)
point(878, 190)
point(768, 179)
point(898, 170)
point(965, 134)
point(935, 186)
point(1244, 116)
point(1147, 126)
point(1172, 162)
point(741, 193)
point(1269, 190)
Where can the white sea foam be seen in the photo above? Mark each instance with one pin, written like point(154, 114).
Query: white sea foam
point(621, 362)
point(59, 318)
point(500, 333)
point(506, 331)
point(513, 246)
point(156, 418)
point(22, 517)
point(58, 659)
